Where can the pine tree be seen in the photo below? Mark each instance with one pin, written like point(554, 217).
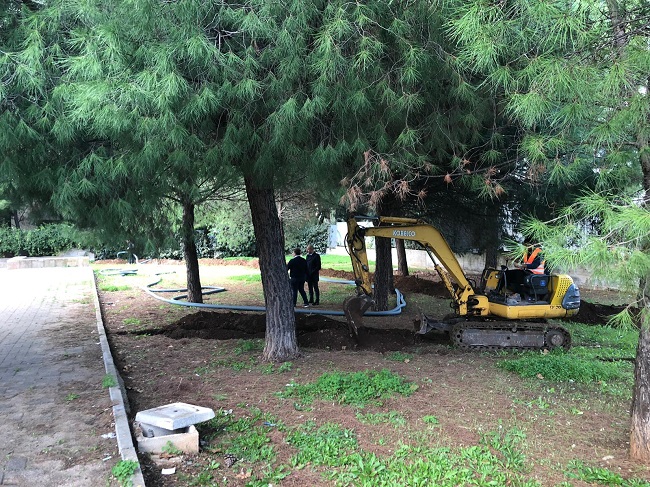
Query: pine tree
point(574, 78)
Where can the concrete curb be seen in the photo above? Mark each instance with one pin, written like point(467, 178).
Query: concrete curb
point(118, 396)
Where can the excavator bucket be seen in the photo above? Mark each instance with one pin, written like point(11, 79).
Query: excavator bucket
point(354, 307)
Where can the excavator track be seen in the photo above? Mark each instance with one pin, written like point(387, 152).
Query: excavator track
point(509, 335)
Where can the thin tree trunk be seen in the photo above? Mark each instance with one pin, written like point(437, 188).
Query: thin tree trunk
point(5, 220)
point(281, 343)
point(640, 428)
point(194, 294)
point(617, 24)
point(643, 145)
point(402, 264)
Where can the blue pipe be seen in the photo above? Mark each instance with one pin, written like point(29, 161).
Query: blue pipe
point(214, 289)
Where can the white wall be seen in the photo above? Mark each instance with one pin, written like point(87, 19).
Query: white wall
point(473, 264)
point(470, 263)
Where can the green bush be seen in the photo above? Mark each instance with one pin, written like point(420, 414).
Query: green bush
point(314, 234)
point(49, 239)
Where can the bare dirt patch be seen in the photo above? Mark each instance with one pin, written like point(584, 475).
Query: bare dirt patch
point(168, 354)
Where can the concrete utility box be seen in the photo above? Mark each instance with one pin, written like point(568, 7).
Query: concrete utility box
point(171, 423)
point(187, 441)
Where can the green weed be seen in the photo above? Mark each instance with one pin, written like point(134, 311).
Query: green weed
point(357, 389)
point(203, 478)
point(113, 288)
point(71, 397)
point(393, 417)
point(123, 471)
point(268, 369)
point(507, 443)
point(109, 381)
point(328, 445)
point(270, 476)
point(230, 363)
point(171, 449)
point(244, 346)
point(285, 367)
point(431, 420)
point(246, 437)
point(131, 321)
point(561, 366)
point(602, 476)
point(400, 356)
point(337, 450)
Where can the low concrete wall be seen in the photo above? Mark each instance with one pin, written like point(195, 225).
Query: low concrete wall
point(40, 262)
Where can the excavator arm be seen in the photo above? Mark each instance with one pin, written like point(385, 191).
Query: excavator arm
point(466, 301)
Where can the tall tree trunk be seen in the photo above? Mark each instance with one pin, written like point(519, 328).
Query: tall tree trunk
point(640, 429)
point(280, 343)
point(194, 294)
point(491, 256)
point(402, 264)
point(383, 273)
point(383, 262)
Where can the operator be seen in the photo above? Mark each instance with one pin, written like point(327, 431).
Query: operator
point(533, 262)
point(533, 259)
point(297, 267)
point(313, 267)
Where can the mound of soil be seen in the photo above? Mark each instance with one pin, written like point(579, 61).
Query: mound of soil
point(595, 314)
point(312, 331)
point(415, 284)
point(425, 284)
point(322, 332)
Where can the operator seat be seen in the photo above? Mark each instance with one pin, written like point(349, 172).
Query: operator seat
point(536, 286)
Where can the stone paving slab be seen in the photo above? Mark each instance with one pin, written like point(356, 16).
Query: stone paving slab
point(54, 408)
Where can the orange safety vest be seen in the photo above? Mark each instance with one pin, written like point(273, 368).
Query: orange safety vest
point(529, 259)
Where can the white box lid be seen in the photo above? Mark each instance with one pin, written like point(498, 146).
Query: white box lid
point(174, 416)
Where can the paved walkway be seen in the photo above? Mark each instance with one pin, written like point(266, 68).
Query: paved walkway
point(57, 423)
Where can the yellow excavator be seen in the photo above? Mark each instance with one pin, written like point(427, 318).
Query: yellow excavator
point(508, 310)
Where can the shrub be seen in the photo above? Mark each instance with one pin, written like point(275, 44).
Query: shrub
point(50, 239)
point(314, 234)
